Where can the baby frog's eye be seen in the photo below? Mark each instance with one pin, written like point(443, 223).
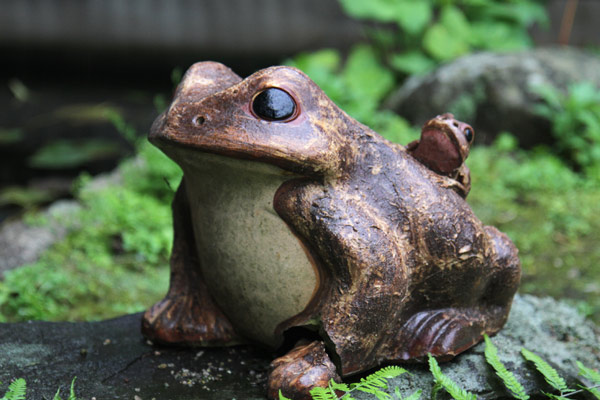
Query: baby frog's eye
point(469, 134)
point(274, 104)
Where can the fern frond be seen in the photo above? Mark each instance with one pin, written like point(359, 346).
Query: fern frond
point(592, 376)
point(507, 377)
point(339, 386)
point(415, 396)
point(550, 374)
point(555, 397)
point(72, 391)
point(16, 390)
point(589, 374)
point(378, 380)
point(57, 395)
point(448, 384)
point(325, 393)
point(282, 397)
point(320, 393)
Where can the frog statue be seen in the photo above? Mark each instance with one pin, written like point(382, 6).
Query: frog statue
point(298, 228)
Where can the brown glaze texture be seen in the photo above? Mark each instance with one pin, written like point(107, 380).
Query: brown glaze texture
point(405, 267)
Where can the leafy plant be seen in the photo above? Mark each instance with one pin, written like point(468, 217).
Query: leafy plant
point(443, 382)
point(71, 392)
point(432, 31)
point(575, 117)
point(507, 377)
point(358, 86)
point(372, 384)
point(592, 376)
point(16, 390)
point(113, 261)
point(550, 374)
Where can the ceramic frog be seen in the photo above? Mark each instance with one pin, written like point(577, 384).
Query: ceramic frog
point(301, 229)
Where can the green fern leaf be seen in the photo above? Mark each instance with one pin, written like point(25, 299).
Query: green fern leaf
point(57, 395)
point(373, 383)
point(415, 396)
point(507, 377)
point(339, 386)
point(72, 391)
point(589, 374)
point(448, 384)
point(324, 393)
point(16, 390)
point(592, 376)
point(550, 374)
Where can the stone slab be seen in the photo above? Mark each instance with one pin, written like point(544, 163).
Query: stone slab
point(111, 360)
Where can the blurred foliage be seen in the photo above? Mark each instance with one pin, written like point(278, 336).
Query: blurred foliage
point(575, 118)
point(425, 33)
point(72, 153)
point(24, 197)
point(114, 260)
point(10, 135)
point(118, 262)
point(357, 86)
point(549, 211)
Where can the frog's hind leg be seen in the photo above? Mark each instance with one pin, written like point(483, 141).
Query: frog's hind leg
point(306, 366)
point(187, 315)
point(450, 331)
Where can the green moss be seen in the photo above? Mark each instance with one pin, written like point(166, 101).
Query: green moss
point(113, 261)
point(549, 211)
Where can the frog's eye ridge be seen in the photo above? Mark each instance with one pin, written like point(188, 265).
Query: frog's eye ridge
point(468, 134)
point(273, 104)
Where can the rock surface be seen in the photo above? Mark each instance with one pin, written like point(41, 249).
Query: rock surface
point(492, 91)
point(112, 361)
point(21, 243)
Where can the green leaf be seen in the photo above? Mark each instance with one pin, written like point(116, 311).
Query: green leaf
point(365, 77)
point(448, 384)
point(412, 62)
point(449, 38)
point(592, 376)
point(380, 10)
point(72, 390)
point(550, 374)
point(507, 377)
point(498, 36)
point(10, 135)
point(16, 390)
point(413, 16)
point(64, 153)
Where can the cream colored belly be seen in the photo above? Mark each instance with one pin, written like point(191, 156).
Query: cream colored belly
point(255, 268)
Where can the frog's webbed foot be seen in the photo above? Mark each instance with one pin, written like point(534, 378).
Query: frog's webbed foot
point(306, 366)
point(187, 315)
point(444, 333)
point(187, 319)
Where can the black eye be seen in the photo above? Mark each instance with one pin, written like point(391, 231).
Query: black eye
point(273, 105)
point(468, 134)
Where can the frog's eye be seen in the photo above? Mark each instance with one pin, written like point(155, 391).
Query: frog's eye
point(273, 104)
point(468, 134)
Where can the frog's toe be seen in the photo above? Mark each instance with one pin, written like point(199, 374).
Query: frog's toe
point(303, 368)
point(184, 320)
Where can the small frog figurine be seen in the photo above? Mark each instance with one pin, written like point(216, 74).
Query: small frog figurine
point(299, 228)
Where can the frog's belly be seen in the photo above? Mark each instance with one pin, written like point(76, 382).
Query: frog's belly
point(255, 268)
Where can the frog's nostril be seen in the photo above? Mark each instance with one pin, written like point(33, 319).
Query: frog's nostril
point(198, 120)
point(455, 124)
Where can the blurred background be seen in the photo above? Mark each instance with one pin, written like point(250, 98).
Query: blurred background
point(82, 80)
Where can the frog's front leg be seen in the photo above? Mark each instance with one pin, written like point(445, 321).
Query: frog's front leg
point(187, 315)
point(306, 366)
